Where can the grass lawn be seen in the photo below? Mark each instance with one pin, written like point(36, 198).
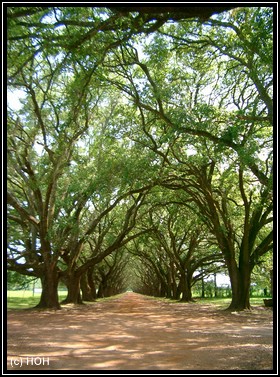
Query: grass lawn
point(224, 302)
point(26, 299)
point(219, 302)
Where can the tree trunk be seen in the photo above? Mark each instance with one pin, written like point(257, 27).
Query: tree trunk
point(215, 285)
point(168, 286)
point(240, 279)
point(185, 288)
point(91, 282)
point(174, 290)
point(100, 293)
point(87, 291)
point(49, 296)
point(74, 294)
point(173, 282)
point(162, 288)
point(178, 291)
point(109, 291)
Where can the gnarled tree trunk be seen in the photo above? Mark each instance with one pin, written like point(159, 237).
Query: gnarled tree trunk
point(240, 279)
point(88, 287)
point(185, 286)
point(73, 286)
point(49, 296)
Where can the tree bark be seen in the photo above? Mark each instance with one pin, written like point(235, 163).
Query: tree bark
point(185, 287)
point(162, 288)
point(74, 293)
point(91, 282)
point(240, 279)
point(49, 296)
point(87, 287)
point(101, 288)
point(174, 288)
point(169, 286)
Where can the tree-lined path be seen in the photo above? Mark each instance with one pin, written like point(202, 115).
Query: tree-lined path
point(136, 332)
point(140, 149)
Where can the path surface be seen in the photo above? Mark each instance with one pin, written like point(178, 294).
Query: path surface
point(135, 332)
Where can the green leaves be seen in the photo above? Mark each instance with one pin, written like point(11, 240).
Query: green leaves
point(116, 102)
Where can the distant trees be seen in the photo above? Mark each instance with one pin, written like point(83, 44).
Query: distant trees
point(178, 249)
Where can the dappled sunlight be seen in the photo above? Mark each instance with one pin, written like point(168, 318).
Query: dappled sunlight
point(138, 333)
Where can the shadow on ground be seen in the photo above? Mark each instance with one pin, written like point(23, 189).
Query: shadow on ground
point(135, 332)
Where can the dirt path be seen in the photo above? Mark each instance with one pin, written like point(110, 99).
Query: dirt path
point(135, 332)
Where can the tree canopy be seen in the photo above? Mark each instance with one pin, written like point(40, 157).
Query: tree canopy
point(142, 132)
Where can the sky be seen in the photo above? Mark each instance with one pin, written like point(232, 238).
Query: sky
point(13, 98)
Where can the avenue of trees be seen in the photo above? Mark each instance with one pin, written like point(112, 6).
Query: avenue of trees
point(142, 148)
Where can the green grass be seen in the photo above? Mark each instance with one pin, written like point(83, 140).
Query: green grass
point(224, 302)
point(25, 299)
point(219, 302)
